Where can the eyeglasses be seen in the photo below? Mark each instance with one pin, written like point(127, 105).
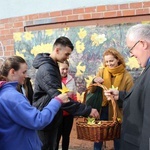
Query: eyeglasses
point(134, 46)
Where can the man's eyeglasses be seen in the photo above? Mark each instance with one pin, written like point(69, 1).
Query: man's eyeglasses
point(134, 46)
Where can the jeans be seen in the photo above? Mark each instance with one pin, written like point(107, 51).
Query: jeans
point(104, 116)
point(98, 146)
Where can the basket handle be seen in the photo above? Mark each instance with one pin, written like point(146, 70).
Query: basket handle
point(112, 99)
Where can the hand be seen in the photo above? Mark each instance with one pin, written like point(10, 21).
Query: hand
point(64, 98)
point(111, 93)
point(94, 113)
point(98, 80)
point(70, 93)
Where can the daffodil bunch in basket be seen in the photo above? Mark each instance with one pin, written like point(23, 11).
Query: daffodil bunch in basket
point(99, 130)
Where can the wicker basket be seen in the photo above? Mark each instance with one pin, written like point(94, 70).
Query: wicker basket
point(105, 131)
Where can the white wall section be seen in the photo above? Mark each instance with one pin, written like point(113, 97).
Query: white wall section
point(15, 8)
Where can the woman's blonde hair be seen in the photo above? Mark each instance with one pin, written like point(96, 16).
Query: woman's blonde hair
point(116, 54)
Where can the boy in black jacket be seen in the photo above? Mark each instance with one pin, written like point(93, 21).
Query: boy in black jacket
point(47, 83)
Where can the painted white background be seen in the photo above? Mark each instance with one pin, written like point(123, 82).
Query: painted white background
point(15, 8)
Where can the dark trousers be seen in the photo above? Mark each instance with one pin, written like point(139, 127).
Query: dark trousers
point(104, 116)
point(64, 131)
point(48, 138)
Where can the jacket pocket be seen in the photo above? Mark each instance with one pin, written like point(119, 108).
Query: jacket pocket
point(132, 139)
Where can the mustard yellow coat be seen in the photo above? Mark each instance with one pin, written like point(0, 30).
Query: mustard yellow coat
point(126, 85)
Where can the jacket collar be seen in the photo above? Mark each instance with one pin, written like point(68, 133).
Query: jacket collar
point(148, 62)
point(2, 83)
point(14, 84)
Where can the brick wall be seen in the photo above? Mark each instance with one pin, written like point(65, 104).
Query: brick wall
point(19, 24)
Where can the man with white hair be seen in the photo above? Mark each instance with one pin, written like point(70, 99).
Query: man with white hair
point(135, 133)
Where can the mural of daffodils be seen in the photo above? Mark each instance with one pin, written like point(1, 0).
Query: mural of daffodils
point(89, 41)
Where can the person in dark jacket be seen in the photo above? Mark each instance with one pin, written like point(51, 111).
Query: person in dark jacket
point(135, 132)
point(47, 83)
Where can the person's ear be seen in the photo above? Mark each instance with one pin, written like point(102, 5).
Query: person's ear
point(57, 50)
point(12, 72)
point(145, 44)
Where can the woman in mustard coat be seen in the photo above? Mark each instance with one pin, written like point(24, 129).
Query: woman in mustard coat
point(114, 74)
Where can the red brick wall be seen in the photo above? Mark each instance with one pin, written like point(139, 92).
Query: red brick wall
point(18, 24)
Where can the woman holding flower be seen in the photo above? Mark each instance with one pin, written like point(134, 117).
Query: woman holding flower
point(114, 74)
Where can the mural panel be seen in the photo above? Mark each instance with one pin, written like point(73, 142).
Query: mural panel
point(90, 42)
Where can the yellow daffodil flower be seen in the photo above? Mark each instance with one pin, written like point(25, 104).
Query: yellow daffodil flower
point(114, 87)
point(90, 121)
point(132, 63)
point(64, 90)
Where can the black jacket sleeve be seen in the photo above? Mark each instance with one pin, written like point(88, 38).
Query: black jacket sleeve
point(77, 109)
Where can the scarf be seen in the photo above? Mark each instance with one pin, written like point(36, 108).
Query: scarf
point(112, 76)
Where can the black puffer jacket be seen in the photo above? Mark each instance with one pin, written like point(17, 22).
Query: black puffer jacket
point(47, 81)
